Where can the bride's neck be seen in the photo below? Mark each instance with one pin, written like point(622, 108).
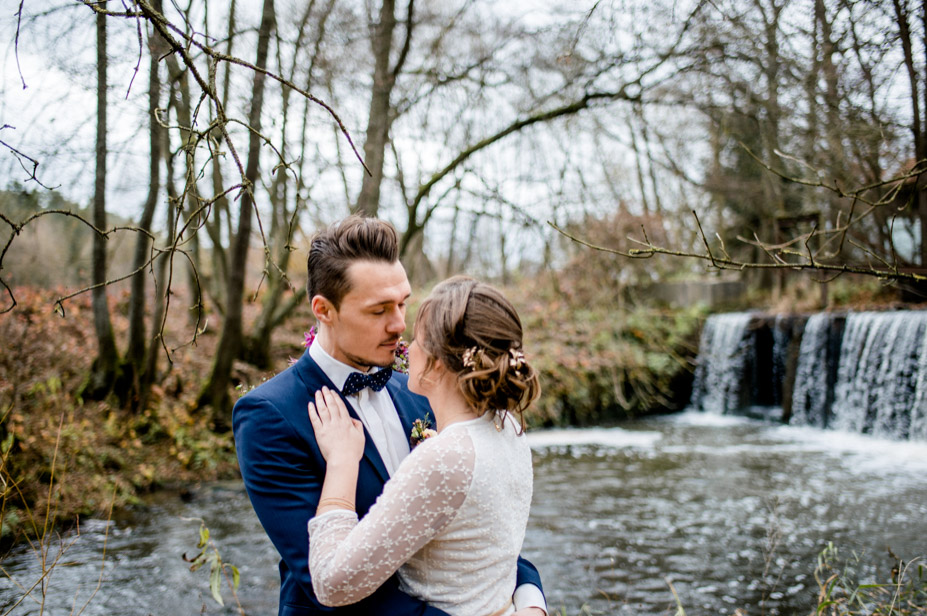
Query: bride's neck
point(449, 406)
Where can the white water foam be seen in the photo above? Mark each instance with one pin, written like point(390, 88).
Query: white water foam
point(604, 437)
point(859, 452)
point(694, 417)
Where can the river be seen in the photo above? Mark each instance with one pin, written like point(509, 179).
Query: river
point(731, 511)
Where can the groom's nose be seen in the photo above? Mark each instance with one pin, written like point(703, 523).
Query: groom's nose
point(397, 321)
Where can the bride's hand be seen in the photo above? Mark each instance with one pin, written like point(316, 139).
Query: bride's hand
point(340, 437)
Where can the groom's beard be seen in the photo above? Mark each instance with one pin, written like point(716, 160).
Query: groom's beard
point(368, 363)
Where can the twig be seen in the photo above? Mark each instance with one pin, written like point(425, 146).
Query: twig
point(19, 18)
point(704, 239)
point(730, 264)
point(33, 177)
point(141, 49)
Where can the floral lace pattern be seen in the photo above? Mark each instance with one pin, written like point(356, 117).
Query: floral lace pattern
point(451, 520)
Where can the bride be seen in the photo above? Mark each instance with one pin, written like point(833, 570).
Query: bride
point(452, 518)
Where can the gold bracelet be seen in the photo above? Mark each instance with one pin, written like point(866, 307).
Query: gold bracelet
point(340, 503)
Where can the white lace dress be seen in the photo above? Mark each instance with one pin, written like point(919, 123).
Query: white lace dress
point(451, 520)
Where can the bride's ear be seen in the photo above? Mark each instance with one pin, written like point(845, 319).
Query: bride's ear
point(440, 369)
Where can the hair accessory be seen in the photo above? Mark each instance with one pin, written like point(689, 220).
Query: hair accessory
point(472, 357)
point(517, 359)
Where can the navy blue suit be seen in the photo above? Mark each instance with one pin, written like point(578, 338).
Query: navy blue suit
point(283, 471)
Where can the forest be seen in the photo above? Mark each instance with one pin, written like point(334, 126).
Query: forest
point(166, 164)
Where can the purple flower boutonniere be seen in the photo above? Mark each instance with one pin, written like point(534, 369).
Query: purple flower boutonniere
point(400, 364)
point(309, 336)
point(421, 430)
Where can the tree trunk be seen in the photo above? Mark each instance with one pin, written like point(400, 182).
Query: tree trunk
point(134, 376)
point(773, 112)
point(451, 243)
point(256, 349)
point(216, 391)
point(639, 167)
point(645, 136)
point(920, 139)
point(922, 193)
point(162, 291)
point(103, 371)
point(214, 283)
point(380, 115)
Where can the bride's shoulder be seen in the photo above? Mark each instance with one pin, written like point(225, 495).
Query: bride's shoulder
point(452, 442)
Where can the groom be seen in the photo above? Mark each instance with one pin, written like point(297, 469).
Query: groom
point(358, 291)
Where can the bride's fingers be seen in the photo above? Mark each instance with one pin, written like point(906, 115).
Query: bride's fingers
point(335, 404)
point(322, 407)
point(313, 415)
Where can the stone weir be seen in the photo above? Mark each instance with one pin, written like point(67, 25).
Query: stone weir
point(863, 372)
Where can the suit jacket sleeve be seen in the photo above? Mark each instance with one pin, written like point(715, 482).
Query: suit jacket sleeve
point(527, 574)
point(283, 474)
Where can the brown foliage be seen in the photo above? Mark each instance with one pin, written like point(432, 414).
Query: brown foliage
point(95, 448)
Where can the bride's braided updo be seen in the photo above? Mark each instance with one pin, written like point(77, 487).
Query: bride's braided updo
point(476, 333)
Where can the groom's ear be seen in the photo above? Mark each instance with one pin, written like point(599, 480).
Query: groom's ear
point(322, 309)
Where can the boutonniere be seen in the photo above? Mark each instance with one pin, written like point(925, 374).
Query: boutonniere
point(400, 364)
point(421, 430)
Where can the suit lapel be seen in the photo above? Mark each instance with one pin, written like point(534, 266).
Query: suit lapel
point(315, 378)
point(404, 408)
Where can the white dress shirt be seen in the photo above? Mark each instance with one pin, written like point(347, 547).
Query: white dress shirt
point(378, 414)
point(375, 409)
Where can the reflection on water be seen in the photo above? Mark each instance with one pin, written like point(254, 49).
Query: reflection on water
point(617, 512)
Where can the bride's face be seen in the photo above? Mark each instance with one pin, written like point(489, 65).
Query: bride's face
point(417, 361)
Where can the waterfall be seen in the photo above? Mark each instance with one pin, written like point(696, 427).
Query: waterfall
point(724, 349)
point(809, 394)
point(863, 372)
point(782, 336)
point(919, 411)
point(879, 376)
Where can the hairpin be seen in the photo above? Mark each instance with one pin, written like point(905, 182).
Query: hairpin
point(517, 359)
point(472, 357)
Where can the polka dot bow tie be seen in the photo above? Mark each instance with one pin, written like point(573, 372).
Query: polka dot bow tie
point(358, 381)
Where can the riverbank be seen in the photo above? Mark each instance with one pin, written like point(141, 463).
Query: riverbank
point(62, 457)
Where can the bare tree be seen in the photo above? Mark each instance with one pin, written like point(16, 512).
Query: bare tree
point(216, 390)
point(103, 372)
point(918, 87)
point(289, 191)
point(135, 377)
point(382, 111)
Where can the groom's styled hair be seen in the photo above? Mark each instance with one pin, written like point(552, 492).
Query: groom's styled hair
point(332, 251)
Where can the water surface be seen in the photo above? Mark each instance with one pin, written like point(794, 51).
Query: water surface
point(692, 499)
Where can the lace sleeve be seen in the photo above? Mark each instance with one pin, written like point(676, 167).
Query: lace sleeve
point(349, 560)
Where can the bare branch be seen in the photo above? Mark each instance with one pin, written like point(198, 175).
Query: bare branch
point(19, 19)
point(649, 250)
point(20, 156)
